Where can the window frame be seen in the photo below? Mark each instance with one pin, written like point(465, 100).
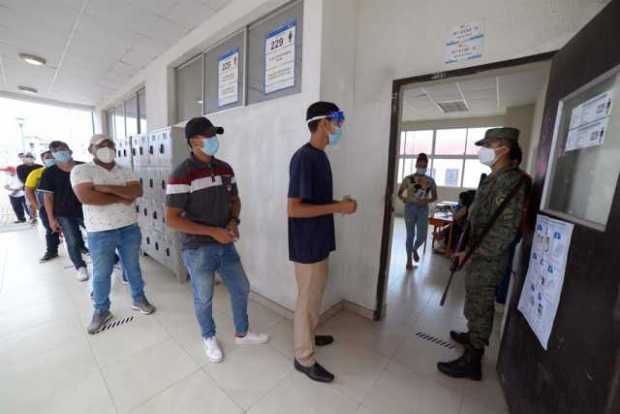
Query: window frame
point(432, 155)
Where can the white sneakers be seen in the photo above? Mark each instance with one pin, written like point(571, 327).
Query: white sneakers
point(82, 274)
point(252, 338)
point(214, 352)
point(212, 348)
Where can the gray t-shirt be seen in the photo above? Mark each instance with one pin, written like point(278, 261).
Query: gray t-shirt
point(204, 192)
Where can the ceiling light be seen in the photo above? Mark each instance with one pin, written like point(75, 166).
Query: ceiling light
point(32, 59)
point(27, 89)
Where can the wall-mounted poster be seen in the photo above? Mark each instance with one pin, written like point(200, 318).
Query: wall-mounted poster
point(543, 284)
point(228, 78)
point(280, 58)
point(588, 122)
point(464, 43)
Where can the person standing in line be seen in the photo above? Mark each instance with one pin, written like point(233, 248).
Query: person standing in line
point(203, 204)
point(311, 209)
point(52, 239)
point(108, 193)
point(488, 262)
point(28, 165)
point(417, 191)
point(64, 210)
point(16, 195)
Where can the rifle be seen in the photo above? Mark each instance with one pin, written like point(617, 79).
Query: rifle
point(456, 264)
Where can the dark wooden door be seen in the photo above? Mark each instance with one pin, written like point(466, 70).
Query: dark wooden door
point(580, 371)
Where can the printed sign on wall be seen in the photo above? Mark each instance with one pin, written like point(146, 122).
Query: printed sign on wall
point(465, 43)
point(543, 284)
point(589, 121)
point(228, 78)
point(280, 58)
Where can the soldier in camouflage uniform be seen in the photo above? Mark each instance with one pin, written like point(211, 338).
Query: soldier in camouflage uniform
point(485, 269)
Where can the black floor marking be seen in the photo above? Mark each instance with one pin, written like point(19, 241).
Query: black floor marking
point(434, 340)
point(114, 324)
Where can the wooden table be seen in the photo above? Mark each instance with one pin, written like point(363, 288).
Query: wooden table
point(440, 220)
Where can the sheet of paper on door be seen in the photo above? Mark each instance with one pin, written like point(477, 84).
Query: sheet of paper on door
point(280, 58)
point(589, 121)
point(543, 284)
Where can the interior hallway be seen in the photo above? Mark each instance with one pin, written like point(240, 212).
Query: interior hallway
point(156, 364)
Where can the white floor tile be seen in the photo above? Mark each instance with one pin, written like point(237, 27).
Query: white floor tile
point(142, 375)
point(197, 393)
point(298, 394)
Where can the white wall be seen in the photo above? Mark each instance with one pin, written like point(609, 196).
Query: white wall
point(353, 50)
point(402, 38)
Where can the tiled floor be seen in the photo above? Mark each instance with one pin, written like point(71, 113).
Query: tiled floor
point(155, 364)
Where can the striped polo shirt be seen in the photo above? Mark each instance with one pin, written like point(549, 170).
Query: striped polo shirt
point(204, 191)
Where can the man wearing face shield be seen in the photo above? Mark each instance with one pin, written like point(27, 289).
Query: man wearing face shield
point(108, 193)
point(203, 204)
point(488, 261)
point(311, 209)
point(64, 210)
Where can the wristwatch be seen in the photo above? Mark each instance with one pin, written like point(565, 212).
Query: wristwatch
point(236, 220)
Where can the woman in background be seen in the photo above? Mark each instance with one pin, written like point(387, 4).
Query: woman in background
point(417, 191)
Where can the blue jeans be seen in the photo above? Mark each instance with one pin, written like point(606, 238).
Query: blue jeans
point(103, 246)
point(202, 263)
point(73, 236)
point(416, 221)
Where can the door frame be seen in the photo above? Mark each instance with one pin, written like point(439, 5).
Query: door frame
point(397, 85)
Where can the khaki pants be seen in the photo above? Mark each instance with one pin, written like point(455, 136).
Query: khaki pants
point(311, 281)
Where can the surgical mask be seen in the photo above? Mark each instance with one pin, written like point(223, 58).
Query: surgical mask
point(49, 162)
point(62, 156)
point(105, 155)
point(487, 156)
point(210, 146)
point(420, 171)
point(336, 136)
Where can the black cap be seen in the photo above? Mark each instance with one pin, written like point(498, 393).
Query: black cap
point(201, 126)
point(320, 109)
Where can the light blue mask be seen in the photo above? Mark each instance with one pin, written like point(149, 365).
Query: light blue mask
point(49, 162)
point(62, 156)
point(210, 146)
point(336, 136)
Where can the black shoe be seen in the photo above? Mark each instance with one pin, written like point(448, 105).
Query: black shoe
point(316, 372)
point(416, 256)
point(460, 337)
point(323, 340)
point(47, 257)
point(467, 366)
point(19, 221)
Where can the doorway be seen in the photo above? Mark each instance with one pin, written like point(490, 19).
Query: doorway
point(443, 115)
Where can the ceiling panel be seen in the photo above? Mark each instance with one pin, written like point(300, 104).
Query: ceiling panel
point(114, 39)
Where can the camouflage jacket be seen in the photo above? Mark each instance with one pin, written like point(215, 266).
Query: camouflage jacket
point(491, 193)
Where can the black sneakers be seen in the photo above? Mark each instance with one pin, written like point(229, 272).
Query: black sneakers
point(323, 340)
point(469, 365)
point(47, 257)
point(316, 372)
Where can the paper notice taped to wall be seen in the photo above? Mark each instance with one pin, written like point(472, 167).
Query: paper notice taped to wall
point(464, 43)
point(589, 122)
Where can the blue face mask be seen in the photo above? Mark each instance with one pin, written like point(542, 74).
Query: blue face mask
point(334, 137)
point(62, 156)
point(210, 146)
point(49, 162)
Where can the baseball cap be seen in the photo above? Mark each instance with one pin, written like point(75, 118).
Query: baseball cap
point(99, 138)
point(505, 134)
point(201, 126)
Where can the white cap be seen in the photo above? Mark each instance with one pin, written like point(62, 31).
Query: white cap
point(99, 138)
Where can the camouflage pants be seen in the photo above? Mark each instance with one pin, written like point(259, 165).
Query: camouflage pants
point(481, 280)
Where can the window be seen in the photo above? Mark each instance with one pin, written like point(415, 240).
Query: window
point(131, 116)
point(189, 89)
point(109, 122)
point(453, 156)
point(119, 121)
point(227, 60)
point(127, 118)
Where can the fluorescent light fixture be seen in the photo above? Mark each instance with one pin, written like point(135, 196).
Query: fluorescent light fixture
point(27, 89)
point(32, 59)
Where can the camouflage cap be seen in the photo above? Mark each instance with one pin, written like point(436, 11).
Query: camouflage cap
point(494, 134)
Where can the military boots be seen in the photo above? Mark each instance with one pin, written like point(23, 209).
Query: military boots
point(469, 365)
